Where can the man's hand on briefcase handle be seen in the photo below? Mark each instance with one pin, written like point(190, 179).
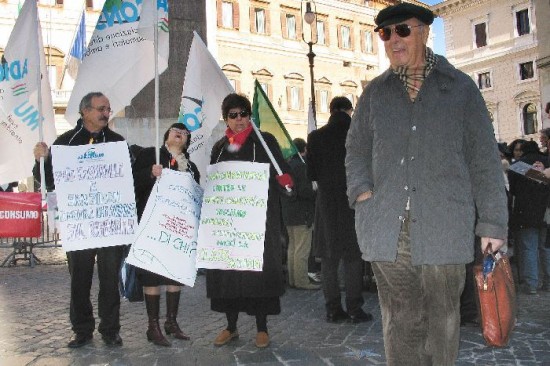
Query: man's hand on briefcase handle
point(496, 244)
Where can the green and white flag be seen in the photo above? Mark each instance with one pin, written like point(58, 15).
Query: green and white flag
point(267, 120)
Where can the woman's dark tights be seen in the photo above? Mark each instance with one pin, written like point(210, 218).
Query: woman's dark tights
point(261, 322)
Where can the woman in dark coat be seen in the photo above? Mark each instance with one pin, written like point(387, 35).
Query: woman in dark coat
point(256, 293)
point(173, 155)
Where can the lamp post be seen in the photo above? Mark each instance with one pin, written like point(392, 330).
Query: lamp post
point(309, 15)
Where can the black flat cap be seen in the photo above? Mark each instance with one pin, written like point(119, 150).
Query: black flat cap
point(398, 13)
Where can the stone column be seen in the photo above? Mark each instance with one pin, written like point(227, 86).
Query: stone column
point(138, 125)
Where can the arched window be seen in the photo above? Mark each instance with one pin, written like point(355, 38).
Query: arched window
point(529, 119)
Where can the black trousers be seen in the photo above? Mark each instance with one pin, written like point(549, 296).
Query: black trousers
point(353, 279)
point(81, 268)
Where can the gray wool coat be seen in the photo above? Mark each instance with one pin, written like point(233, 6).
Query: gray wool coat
point(441, 152)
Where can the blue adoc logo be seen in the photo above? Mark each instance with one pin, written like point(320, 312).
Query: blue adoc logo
point(194, 117)
point(90, 155)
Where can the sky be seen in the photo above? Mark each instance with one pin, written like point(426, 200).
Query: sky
point(437, 28)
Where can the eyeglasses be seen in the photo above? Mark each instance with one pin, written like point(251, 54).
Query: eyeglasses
point(177, 130)
point(103, 109)
point(234, 115)
point(402, 30)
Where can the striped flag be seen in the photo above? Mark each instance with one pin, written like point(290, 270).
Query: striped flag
point(76, 55)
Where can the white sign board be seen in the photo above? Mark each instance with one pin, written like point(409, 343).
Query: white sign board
point(166, 240)
point(233, 218)
point(95, 195)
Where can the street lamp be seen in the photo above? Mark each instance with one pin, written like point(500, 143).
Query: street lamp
point(309, 15)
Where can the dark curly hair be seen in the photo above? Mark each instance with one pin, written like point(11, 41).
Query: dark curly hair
point(235, 100)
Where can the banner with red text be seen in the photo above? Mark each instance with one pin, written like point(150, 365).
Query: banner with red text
point(20, 215)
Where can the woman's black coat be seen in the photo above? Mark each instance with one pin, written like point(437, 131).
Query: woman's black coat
point(268, 282)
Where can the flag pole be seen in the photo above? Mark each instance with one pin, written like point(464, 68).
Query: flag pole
point(66, 62)
point(40, 117)
point(269, 153)
point(156, 47)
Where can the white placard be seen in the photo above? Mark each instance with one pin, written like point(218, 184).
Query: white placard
point(233, 218)
point(166, 240)
point(95, 195)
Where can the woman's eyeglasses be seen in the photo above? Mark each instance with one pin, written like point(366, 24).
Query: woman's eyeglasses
point(234, 115)
point(402, 30)
point(177, 130)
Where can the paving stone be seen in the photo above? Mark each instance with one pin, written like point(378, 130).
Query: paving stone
point(35, 329)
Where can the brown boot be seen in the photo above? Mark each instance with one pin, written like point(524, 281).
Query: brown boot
point(171, 325)
point(154, 334)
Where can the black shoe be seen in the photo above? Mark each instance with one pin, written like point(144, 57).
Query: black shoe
point(112, 339)
point(79, 340)
point(337, 316)
point(360, 317)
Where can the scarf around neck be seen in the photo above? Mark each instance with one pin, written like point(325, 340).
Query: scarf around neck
point(412, 79)
point(236, 140)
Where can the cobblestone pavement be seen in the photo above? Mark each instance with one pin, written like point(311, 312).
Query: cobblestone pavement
point(34, 329)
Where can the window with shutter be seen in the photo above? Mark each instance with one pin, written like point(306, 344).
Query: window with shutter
point(481, 34)
point(522, 22)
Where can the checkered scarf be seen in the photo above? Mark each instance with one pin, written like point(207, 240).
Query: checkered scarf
point(412, 79)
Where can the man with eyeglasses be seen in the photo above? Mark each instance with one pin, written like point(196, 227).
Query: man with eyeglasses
point(91, 128)
point(421, 162)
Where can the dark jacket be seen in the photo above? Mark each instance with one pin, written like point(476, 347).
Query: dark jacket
point(334, 231)
point(299, 210)
point(75, 137)
point(530, 197)
point(144, 181)
point(268, 282)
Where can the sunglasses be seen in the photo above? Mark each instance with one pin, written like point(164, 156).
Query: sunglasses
point(402, 30)
point(234, 115)
point(177, 130)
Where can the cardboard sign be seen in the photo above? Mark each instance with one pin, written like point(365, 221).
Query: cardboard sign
point(233, 217)
point(166, 240)
point(20, 215)
point(95, 195)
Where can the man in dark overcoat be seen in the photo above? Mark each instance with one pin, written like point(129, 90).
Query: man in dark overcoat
point(334, 234)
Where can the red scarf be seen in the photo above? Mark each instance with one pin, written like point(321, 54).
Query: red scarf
point(236, 140)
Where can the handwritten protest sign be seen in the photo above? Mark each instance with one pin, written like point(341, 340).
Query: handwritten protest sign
point(166, 240)
point(233, 218)
point(95, 195)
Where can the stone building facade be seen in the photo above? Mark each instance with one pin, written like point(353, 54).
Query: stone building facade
point(496, 43)
point(265, 40)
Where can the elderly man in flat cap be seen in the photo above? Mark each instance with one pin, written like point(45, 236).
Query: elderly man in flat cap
point(421, 163)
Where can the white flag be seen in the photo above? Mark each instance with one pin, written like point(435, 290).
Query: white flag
point(147, 21)
point(119, 61)
point(311, 124)
point(21, 93)
point(204, 88)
